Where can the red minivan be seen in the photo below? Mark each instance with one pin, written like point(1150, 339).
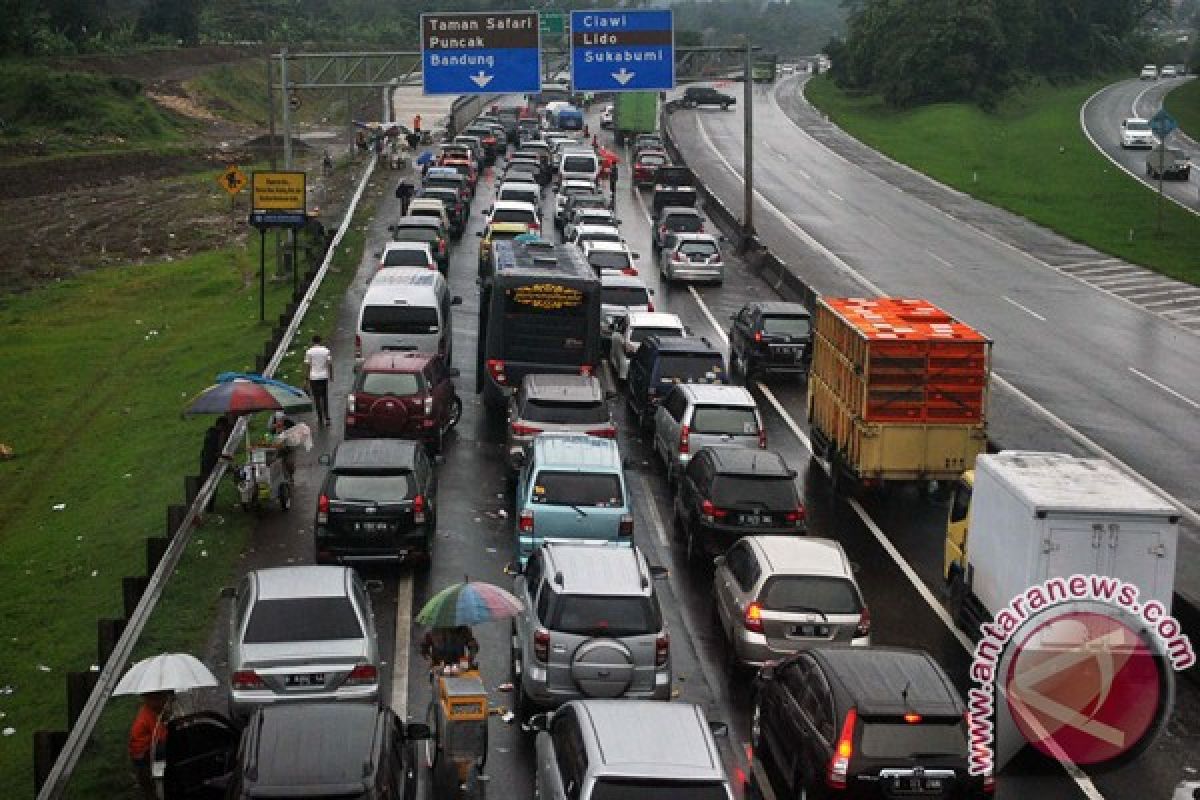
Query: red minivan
point(405, 395)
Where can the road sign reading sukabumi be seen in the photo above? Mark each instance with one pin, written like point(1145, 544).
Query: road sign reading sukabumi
point(614, 51)
point(470, 52)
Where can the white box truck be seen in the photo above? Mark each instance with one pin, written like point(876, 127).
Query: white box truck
point(1020, 518)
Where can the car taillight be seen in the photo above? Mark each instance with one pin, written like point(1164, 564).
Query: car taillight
point(864, 623)
point(912, 718)
point(351, 404)
point(678, 258)
point(495, 368)
point(683, 439)
point(753, 618)
point(246, 679)
point(418, 506)
point(629, 271)
point(525, 521)
point(604, 433)
point(533, 226)
point(357, 346)
point(662, 230)
point(441, 247)
point(541, 645)
point(711, 513)
point(585, 369)
point(521, 429)
point(625, 528)
point(758, 336)
point(796, 516)
point(662, 648)
point(323, 509)
point(762, 438)
point(428, 405)
point(649, 305)
point(362, 675)
point(839, 763)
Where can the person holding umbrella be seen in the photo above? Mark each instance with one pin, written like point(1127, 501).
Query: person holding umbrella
point(449, 615)
point(148, 738)
point(446, 646)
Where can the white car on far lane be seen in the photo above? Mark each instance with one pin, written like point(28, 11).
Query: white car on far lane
point(1135, 132)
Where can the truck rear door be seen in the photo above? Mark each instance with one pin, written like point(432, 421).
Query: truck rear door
point(1140, 554)
point(1072, 547)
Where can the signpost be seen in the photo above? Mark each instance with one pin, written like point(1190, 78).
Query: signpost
point(1162, 124)
point(622, 51)
point(472, 52)
point(277, 200)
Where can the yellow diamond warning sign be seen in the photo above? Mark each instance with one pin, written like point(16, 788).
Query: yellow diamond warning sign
point(278, 192)
point(232, 180)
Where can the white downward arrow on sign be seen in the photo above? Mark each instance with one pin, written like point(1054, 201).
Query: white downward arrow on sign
point(624, 76)
point(481, 80)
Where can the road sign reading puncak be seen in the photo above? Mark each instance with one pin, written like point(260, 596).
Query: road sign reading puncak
point(468, 52)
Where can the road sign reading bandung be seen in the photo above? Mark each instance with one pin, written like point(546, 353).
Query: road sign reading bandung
point(1162, 124)
point(470, 52)
point(613, 51)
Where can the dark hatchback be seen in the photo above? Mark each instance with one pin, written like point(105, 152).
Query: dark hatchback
point(378, 504)
point(862, 722)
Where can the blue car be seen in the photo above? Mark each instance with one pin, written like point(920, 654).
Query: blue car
point(571, 488)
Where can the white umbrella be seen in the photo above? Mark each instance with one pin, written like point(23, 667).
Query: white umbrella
point(174, 672)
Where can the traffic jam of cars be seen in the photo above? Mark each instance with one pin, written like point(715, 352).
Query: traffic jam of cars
point(569, 329)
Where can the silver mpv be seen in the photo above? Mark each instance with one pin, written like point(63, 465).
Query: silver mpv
point(693, 416)
point(591, 627)
point(548, 403)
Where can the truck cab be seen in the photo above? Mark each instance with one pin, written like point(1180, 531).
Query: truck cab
point(957, 523)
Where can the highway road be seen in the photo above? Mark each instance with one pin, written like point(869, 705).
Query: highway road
point(895, 542)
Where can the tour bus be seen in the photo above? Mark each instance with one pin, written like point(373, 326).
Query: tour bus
point(539, 312)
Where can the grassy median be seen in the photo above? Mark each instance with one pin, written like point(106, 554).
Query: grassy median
point(1184, 104)
point(1030, 157)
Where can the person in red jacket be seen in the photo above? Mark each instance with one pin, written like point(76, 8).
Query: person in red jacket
point(148, 737)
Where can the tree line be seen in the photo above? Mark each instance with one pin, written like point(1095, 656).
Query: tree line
point(913, 52)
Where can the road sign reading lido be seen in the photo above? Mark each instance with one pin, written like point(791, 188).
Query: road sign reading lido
point(615, 51)
point(470, 52)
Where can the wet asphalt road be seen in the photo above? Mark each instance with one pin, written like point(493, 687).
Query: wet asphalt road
point(474, 536)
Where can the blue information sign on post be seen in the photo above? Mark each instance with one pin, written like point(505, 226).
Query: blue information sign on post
point(622, 50)
point(472, 52)
point(1162, 124)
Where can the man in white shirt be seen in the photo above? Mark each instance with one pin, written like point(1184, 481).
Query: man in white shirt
point(320, 372)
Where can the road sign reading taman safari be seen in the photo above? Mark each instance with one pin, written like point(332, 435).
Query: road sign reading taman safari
point(624, 50)
point(470, 52)
point(232, 180)
point(278, 199)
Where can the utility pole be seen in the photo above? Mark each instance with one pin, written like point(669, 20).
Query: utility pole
point(286, 105)
point(748, 154)
point(271, 108)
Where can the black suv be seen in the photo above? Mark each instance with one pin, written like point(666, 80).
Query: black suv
point(673, 186)
point(770, 337)
point(674, 219)
point(356, 751)
point(728, 492)
point(378, 503)
point(664, 361)
point(706, 96)
point(866, 722)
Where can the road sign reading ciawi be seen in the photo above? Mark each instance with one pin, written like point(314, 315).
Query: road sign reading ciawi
point(469, 52)
point(613, 51)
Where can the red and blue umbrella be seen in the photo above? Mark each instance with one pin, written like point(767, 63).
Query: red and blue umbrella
point(247, 393)
point(468, 603)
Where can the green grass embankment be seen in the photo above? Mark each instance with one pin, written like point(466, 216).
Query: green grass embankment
point(1029, 157)
point(1184, 104)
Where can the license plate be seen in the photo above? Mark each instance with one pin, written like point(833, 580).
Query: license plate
point(372, 527)
point(911, 784)
point(810, 630)
point(754, 519)
point(307, 679)
point(784, 351)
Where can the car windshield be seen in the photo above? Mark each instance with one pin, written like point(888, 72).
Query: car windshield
point(608, 259)
point(302, 619)
point(690, 366)
point(598, 236)
point(401, 384)
point(684, 222)
point(373, 488)
point(648, 789)
point(731, 420)
point(787, 326)
point(416, 234)
point(589, 201)
point(896, 739)
point(600, 615)
point(556, 412)
point(770, 492)
point(399, 319)
point(651, 160)
point(579, 164)
point(584, 489)
point(624, 296)
point(405, 258)
point(522, 195)
point(1138, 125)
point(513, 215)
point(800, 592)
point(698, 248)
point(641, 334)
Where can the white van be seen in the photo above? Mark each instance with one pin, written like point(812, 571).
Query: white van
point(581, 165)
point(521, 191)
point(405, 308)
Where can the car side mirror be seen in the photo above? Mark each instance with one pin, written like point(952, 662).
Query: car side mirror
point(453, 372)
point(792, 474)
point(627, 463)
point(719, 729)
point(719, 561)
point(611, 394)
point(767, 671)
point(379, 254)
point(539, 722)
point(657, 571)
point(651, 292)
point(479, 234)
point(456, 301)
point(324, 460)
point(414, 731)
point(392, 228)
point(618, 222)
point(514, 568)
point(228, 593)
point(636, 256)
point(439, 459)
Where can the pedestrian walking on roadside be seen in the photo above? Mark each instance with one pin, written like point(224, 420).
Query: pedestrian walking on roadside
point(320, 373)
point(612, 183)
point(148, 739)
point(404, 193)
point(416, 123)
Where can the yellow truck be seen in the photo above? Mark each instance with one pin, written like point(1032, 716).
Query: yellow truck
point(897, 391)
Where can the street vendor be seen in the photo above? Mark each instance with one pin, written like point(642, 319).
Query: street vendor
point(277, 436)
point(445, 646)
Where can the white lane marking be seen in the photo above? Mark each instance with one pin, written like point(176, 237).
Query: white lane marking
point(802, 173)
point(835, 195)
point(1045, 413)
point(1093, 262)
point(1165, 388)
point(1133, 109)
point(787, 418)
point(404, 597)
point(708, 314)
point(939, 259)
point(652, 511)
point(1028, 311)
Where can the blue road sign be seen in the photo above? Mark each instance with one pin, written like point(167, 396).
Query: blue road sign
point(1162, 124)
point(623, 50)
point(472, 52)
